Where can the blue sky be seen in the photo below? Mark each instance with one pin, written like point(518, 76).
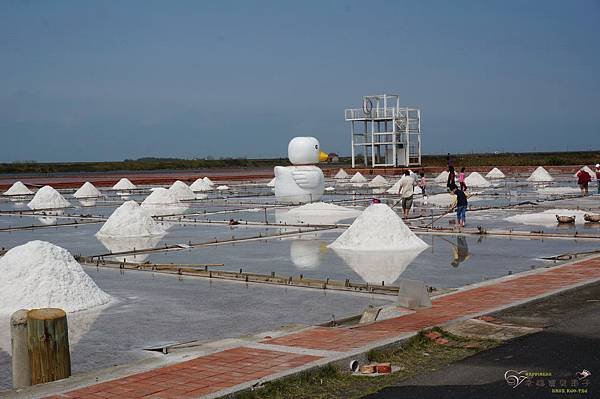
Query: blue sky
point(108, 80)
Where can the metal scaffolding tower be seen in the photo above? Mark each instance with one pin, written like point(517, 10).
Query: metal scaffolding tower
point(388, 134)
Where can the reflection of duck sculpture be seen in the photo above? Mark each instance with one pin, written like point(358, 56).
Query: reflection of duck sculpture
point(307, 254)
point(303, 181)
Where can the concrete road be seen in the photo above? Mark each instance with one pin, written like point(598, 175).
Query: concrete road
point(569, 344)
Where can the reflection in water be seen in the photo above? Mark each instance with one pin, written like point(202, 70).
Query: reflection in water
point(377, 266)
point(48, 218)
point(307, 254)
point(123, 244)
point(88, 202)
point(460, 251)
point(314, 216)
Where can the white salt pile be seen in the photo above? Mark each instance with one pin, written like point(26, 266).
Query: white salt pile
point(476, 180)
point(271, 183)
point(130, 220)
point(378, 181)
point(200, 185)
point(378, 228)
point(223, 188)
point(39, 275)
point(395, 189)
point(182, 191)
point(208, 181)
point(540, 175)
point(88, 190)
point(548, 217)
point(588, 170)
point(48, 198)
point(125, 244)
point(324, 207)
point(163, 202)
point(341, 175)
point(358, 178)
point(18, 188)
point(329, 188)
point(442, 200)
point(495, 174)
point(316, 213)
point(442, 177)
point(124, 184)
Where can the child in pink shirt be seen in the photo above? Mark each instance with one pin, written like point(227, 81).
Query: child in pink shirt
point(461, 179)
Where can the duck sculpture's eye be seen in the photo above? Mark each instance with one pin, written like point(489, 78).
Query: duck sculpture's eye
point(316, 147)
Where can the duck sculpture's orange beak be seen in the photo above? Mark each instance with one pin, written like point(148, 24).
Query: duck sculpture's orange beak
point(323, 156)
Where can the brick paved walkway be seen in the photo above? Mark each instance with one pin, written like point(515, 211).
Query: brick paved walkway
point(228, 368)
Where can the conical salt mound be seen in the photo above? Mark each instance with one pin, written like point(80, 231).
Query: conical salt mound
point(378, 181)
point(442, 177)
point(395, 189)
point(124, 184)
point(87, 191)
point(476, 180)
point(162, 202)
point(341, 175)
point(18, 188)
point(200, 185)
point(48, 198)
point(378, 228)
point(358, 178)
point(208, 181)
point(271, 183)
point(42, 275)
point(182, 191)
point(495, 174)
point(588, 170)
point(540, 175)
point(130, 220)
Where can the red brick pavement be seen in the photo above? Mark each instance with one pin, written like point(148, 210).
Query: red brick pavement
point(212, 373)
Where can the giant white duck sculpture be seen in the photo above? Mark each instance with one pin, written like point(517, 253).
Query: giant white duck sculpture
point(303, 181)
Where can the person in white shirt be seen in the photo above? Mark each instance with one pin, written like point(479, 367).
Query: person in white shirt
point(407, 184)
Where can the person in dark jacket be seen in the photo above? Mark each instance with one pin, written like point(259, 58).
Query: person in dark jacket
point(583, 179)
point(451, 183)
point(461, 206)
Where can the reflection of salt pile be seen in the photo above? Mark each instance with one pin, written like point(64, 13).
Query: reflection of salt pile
point(495, 174)
point(162, 202)
point(200, 185)
point(48, 198)
point(315, 213)
point(559, 190)
point(441, 200)
point(442, 177)
point(124, 184)
point(540, 175)
point(18, 188)
point(130, 220)
point(271, 183)
point(208, 181)
point(124, 244)
point(182, 191)
point(378, 181)
point(341, 175)
point(222, 188)
point(358, 178)
point(329, 188)
point(39, 274)
point(588, 170)
point(548, 217)
point(87, 191)
point(307, 253)
point(377, 267)
point(476, 180)
point(378, 228)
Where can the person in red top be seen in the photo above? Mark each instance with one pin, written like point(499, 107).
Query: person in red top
point(598, 176)
point(583, 179)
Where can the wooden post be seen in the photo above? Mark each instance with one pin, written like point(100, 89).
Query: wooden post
point(48, 345)
point(21, 373)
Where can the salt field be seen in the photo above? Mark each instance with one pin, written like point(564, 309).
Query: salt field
point(244, 229)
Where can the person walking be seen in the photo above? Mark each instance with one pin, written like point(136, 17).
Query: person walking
point(461, 179)
point(583, 179)
point(451, 183)
point(406, 193)
point(461, 206)
point(598, 176)
point(422, 183)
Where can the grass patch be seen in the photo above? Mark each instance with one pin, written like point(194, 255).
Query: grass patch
point(418, 355)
